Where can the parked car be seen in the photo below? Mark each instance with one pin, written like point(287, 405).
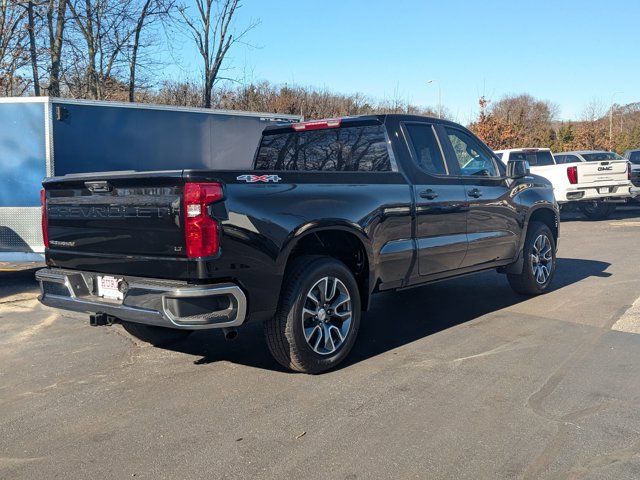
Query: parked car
point(634, 157)
point(595, 187)
point(332, 212)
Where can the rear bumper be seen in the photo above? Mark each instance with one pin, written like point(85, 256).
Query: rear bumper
point(579, 193)
point(163, 303)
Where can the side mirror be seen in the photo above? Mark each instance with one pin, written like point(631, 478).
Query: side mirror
point(518, 168)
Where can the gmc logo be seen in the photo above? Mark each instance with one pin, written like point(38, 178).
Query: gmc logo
point(605, 169)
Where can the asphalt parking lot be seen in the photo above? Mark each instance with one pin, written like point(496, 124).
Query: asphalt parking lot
point(462, 379)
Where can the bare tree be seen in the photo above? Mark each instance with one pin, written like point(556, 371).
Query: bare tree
point(212, 32)
point(56, 13)
point(594, 110)
point(104, 27)
point(13, 54)
point(150, 11)
point(33, 49)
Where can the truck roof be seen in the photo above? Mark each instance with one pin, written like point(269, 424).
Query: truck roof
point(581, 152)
point(505, 150)
point(351, 120)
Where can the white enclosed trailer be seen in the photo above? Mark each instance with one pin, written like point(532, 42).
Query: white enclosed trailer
point(41, 137)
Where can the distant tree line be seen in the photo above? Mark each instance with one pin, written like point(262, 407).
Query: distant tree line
point(117, 50)
point(523, 121)
point(267, 97)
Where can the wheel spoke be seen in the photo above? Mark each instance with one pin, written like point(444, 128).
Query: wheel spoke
point(343, 315)
point(545, 273)
point(333, 328)
point(323, 285)
point(308, 313)
point(344, 329)
point(341, 300)
point(536, 245)
point(332, 292)
point(540, 277)
point(328, 339)
point(318, 340)
point(310, 331)
point(313, 298)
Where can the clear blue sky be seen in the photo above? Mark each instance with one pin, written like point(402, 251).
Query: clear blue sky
point(567, 51)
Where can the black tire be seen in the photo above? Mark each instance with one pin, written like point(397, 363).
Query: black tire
point(157, 336)
point(597, 210)
point(526, 283)
point(285, 331)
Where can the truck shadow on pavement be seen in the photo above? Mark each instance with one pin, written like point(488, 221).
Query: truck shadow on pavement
point(395, 318)
point(14, 282)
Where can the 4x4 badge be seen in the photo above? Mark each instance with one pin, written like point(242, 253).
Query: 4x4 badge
point(259, 178)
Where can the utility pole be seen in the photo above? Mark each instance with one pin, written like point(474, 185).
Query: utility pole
point(611, 120)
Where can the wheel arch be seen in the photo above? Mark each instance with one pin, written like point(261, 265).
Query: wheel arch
point(544, 214)
point(343, 241)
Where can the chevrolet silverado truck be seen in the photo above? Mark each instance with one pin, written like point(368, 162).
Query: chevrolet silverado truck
point(594, 182)
point(332, 212)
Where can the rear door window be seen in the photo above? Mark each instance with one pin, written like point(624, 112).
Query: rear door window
point(346, 149)
point(426, 149)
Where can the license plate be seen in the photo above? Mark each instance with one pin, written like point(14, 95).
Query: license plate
point(604, 190)
point(109, 287)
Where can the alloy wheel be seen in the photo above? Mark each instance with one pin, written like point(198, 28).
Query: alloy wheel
point(541, 259)
point(327, 315)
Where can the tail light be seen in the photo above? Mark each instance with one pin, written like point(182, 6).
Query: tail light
point(572, 174)
point(201, 231)
point(45, 230)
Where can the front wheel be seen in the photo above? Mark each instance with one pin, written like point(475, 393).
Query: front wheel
point(597, 210)
point(318, 316)
point(157, 336)
point(539, 262)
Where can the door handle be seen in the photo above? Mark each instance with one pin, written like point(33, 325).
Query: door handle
point(429, 194)
point(475, 193)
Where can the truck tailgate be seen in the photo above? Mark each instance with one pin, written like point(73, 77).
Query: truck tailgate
point(602, 172)
point(116, 214)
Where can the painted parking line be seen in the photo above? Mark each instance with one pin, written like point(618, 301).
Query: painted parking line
point(630, 320)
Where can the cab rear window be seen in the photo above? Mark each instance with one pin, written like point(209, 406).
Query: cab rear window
point(634, 157)
point(535, 159)
point(346, 149)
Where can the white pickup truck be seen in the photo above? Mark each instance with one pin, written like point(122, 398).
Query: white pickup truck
point(594, 181)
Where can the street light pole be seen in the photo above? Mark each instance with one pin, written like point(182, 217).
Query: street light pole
point(439, 97)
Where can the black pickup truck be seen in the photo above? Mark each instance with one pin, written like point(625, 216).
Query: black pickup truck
point(333, 211)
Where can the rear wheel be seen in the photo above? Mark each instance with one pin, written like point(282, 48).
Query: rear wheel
point(539, 262)
point(318, 316)
point(158, 336)
point(597, 210)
